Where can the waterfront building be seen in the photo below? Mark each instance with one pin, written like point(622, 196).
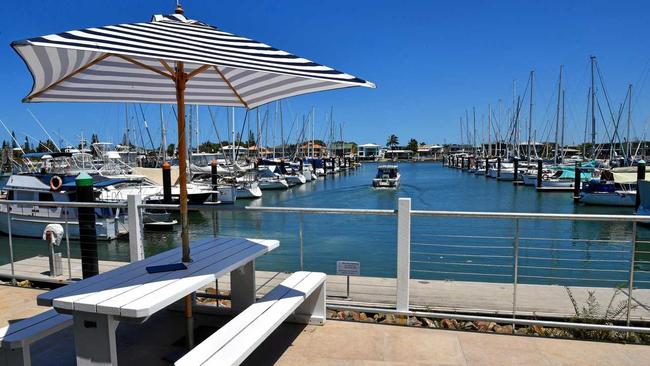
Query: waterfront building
point(368, 151)
point(317, 148)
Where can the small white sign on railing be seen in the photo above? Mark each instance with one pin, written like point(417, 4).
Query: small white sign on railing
point(348, 268)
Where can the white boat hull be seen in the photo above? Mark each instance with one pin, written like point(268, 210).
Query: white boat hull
point(618, 198)
point(227, 194)
point(33, 226)
point(249, 191)
point(273, 184)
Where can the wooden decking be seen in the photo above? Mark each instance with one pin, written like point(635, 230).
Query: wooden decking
point(37, 269)
point(441, 296)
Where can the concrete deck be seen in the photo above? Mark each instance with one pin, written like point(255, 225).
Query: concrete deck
point(159, 340)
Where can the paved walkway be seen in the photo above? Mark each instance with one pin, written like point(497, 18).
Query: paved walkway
point(336, 343)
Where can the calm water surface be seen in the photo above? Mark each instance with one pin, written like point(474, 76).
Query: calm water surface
point(550, 252)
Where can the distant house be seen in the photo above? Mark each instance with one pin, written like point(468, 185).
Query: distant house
point(429, 151)
point(339, 148)
point(398, 154)
point(308, 148)
point(368, 151)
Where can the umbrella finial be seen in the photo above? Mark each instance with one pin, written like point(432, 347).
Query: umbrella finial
point(179, 8)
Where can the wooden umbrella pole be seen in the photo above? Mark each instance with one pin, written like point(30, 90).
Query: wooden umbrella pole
point(181, 81)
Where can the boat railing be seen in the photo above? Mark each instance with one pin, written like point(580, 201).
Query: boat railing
point(579, 271)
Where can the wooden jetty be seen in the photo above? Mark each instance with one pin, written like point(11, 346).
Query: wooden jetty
point(485, 298)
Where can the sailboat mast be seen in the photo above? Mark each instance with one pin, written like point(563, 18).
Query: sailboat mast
point(593, 105)
point(257, 123)
point(163, 138)
point(629, 123)
point(557, 115)
point(530, 114)
point(313, 122)
point(281, 127)
point(563, 125)
point(489, 130)
point(197, 129)
point(474, 133)
point(461, 131)
point(232, 123)
point(126, 136)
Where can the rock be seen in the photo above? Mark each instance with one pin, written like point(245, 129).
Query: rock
point(364, 318)
point(340, 315)
point(447, 324)
point(395, 319)
point(414, 322)
point(430, 323)
point(24, 283)
point(470, 326)
point(521, 331)
point(538, 329)
point(379, 317)
point(331, 314)
point(211, 291)
point(224, 303)
point(505, 329)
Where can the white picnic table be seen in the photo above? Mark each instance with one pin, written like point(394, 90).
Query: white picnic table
point(99, 303)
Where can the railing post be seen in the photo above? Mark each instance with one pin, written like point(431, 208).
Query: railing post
point(403, 253)
point(136, 248)
point(515, 272)
point(631, 281)
point(67, 241)
point(300, 233)
point(11, 246)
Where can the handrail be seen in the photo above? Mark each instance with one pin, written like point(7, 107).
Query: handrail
point(66, 204)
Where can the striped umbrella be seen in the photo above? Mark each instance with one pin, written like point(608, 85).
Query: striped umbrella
point(174, 60)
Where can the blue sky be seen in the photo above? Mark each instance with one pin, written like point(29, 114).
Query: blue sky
point(430, 60)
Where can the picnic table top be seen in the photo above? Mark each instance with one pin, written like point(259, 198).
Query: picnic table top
point(130, 291)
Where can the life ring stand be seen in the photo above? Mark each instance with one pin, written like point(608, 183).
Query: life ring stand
point(545, 177)
point(56, 183)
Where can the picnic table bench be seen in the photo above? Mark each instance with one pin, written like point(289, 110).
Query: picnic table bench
point(99, 303)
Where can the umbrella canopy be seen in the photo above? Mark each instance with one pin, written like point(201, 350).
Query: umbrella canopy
point(135, 62)
point(171, 59)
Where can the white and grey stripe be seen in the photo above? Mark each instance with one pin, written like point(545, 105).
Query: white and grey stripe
point(258, 73)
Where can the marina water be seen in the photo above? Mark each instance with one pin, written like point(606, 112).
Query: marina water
point(444, 248)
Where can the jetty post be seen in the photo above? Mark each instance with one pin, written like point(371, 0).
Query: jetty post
point(167, 182)
point(515, 162)
point(462, 163)
point(640, 175)
point(539, 174)
point(498, 167)
point(487, 166)
point(87, 226)
point(576, 183)
point(213, 178)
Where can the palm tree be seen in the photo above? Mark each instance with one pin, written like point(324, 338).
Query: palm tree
point(393, 141)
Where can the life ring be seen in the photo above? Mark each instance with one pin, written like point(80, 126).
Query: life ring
point(56, 183)
point(545, 176)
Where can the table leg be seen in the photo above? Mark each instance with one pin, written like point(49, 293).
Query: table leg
point(242, 287)
point(94, 339)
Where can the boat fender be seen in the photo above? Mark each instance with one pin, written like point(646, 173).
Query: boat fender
point(56, 183)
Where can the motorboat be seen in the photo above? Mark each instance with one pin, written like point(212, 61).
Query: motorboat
point(388, 176)
point(45, 190)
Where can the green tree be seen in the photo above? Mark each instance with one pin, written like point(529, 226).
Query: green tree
point(413, 145)
point(13, 140)
point(251, 139)
point(171, 149)
point(393, 141)
point(27, 148)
